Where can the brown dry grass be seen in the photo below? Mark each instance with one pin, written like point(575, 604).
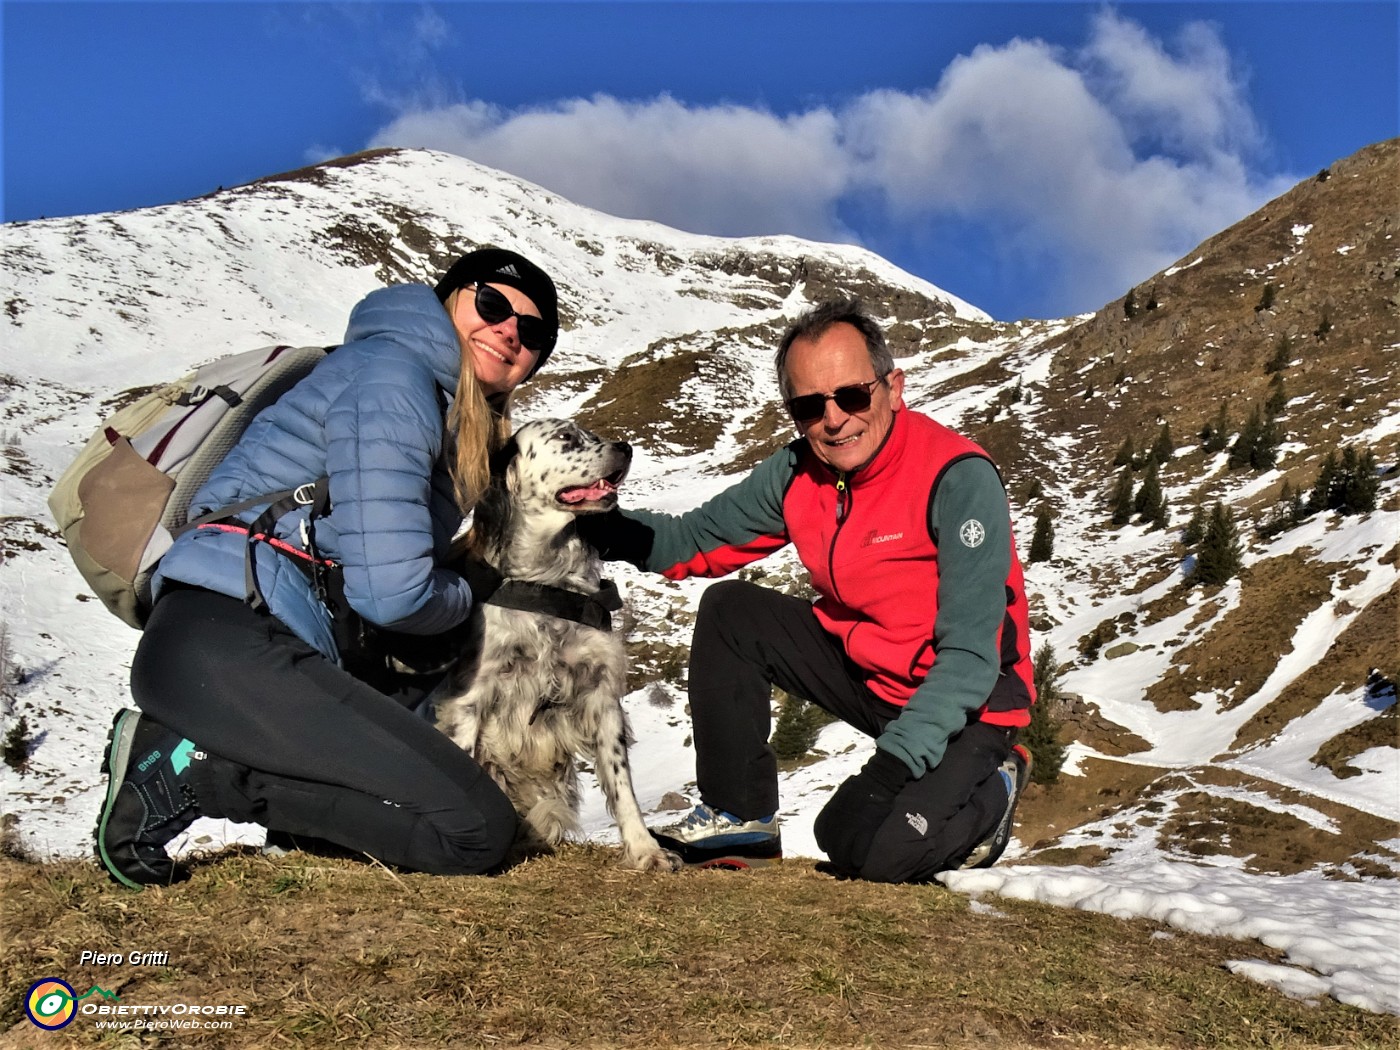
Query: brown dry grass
point(570, 951)
point(1241, 650)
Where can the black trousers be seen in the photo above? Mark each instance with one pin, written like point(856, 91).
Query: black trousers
point(298, 745)
point(749, 639)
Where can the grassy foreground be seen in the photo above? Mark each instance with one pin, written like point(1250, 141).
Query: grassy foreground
point(569, 951)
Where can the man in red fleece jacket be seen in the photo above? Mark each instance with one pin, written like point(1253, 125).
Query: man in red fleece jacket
point(919, 636)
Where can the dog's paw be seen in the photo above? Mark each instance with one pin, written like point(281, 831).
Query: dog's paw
point(652, 860)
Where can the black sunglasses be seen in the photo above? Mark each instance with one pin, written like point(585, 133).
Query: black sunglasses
point(849, 399)
point(493, 307)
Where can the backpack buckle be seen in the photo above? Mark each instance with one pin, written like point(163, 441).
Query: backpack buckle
point(305, 494)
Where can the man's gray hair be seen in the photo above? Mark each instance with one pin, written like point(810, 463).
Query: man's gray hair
point(814, 324)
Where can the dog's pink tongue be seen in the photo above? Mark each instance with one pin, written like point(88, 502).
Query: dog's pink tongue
point(600, 489)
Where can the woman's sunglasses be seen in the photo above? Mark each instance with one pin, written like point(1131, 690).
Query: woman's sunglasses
point(849, 399)
point(493, 307)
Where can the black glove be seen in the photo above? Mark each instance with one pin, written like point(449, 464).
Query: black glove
point(847, 824)
point(617, 537)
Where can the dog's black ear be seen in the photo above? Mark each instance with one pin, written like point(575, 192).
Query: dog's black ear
point(502, 458)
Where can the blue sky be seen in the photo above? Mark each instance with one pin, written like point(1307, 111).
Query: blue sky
point(1036, 159)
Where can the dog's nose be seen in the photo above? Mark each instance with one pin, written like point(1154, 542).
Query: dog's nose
point(624, 448)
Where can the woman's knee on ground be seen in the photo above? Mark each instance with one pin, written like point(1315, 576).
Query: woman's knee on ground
point(471, 839)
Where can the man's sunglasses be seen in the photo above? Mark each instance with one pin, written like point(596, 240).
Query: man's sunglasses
point(849, 399)
point(493, 307)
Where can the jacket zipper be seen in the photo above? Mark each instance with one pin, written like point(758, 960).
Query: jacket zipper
point(843, 509)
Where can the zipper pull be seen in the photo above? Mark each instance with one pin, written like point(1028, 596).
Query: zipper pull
point(842, 498)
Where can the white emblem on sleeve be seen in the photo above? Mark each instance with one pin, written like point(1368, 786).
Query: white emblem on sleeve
point(972, 533)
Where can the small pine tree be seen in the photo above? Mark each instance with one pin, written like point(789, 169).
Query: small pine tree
point(1195, 530)
point(1264, 454)
point(1297, 507)
point(1163, 447)
point(1327, 481)
point(1123, 497)
point(1266, 300)
point(1043, 541)
point(1219, 558)
point(796, 731)
point(1278, 397)
point(1283, 355)
point(1148, 503)
point(1130, 307)
point(1360, 483)
point(1042, 737)
point(1324, 325)
point(1244, 442)
point(1162, 518)
point(1215, 436)
point(1125, 454)
point(1152, 299)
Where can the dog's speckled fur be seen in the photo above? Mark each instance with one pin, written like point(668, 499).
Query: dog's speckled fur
point(535, 691)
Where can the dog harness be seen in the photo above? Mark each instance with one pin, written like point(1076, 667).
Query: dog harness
point(592, 610)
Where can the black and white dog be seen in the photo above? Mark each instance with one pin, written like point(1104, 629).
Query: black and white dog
point(542, 679)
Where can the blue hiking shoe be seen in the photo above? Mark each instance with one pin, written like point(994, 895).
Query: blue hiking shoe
point(1015, 772)
point(149, 799)
point(712, 838)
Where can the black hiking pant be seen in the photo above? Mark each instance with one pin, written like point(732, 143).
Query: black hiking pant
point(749, 639)
point(298, 745)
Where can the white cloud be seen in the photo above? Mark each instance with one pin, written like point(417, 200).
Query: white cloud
point(1193, 102)
point(1097, 166)
point(714, 169)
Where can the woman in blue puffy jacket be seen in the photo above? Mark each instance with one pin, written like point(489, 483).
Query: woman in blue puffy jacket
point(254, 705)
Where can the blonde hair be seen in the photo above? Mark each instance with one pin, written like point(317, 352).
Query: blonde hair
point(481, 425)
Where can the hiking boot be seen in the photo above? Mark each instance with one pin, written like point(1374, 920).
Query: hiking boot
point(712, 838)
point(149, 799)
point(1015, 772)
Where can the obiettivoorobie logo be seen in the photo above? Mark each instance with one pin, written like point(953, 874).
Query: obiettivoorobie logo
point(52, 1004)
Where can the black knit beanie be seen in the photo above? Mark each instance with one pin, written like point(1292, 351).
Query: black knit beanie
point(502, 266)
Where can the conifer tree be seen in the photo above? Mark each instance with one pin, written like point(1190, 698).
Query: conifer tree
point(1219, 558)
point(1042, 736)
point(1126, 453)
point(1130, 307)
point(1283, 355)
point(1278, 397)
point(1123, 497)
point(1360, 483)
point(1195, 530)
point(1163, 447)
point(1264, 454)
point(1162, 518)
point(1266, 300)
point(795, 731)
point(1148, 503)
point(1215, 436)
point(1327, 480)
point(1043, 541)
point(1242, 451)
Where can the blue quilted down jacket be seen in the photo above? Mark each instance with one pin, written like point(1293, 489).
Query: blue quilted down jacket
point(371, 418)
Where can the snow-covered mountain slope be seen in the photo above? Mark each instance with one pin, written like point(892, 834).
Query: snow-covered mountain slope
point(1239, 726)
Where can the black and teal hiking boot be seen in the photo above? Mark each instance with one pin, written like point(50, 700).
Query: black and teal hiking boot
point(1015, 772)
point(149, 799)
point(712, 838)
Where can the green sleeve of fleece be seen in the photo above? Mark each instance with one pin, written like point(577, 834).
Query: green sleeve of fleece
point(971, 525)
point(741, 524)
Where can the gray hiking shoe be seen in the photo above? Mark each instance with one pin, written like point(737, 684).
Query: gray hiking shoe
point(1016, 773)
point(149, 799)
point(712, 838)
